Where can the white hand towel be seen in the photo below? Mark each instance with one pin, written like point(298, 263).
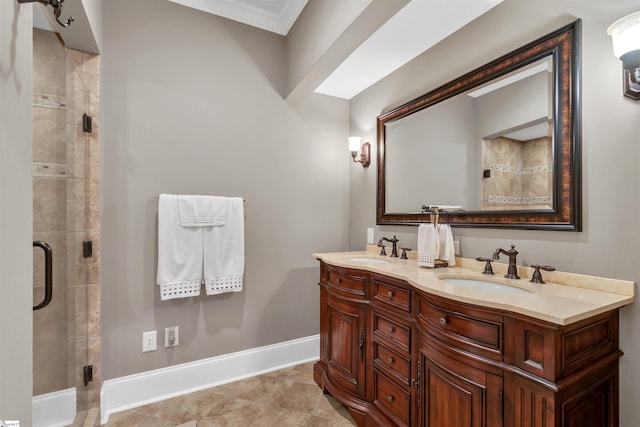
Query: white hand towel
point(201, 211)
point(179, 253)
point(452, 247)
point(447, 249)
point(428, 245)
point(224, 251)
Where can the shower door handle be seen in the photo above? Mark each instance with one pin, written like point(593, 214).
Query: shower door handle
point(48, 273)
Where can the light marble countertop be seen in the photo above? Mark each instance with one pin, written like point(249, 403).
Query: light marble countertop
point(565, 298)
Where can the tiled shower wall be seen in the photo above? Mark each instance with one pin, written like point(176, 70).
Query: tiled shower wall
point(66, 183)
point(521, 173)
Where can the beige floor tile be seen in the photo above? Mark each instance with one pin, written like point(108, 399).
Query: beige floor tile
point(288, 397)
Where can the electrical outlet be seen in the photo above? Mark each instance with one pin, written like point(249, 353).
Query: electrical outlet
point(456, 246)
point(149, 341)
point(171, 337)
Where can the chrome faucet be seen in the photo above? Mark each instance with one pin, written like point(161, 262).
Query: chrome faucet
point(512, 271)
point(394, 242)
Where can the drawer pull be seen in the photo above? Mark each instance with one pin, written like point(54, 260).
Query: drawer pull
point(443, 321)
point(338, 280)
point(389, 398)
point(391, 329)
point(390, 360)
point(389, 294)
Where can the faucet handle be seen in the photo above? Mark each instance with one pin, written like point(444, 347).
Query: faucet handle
point(381, 246)
point(536, 277)
point(487, 267)
point(404, 253)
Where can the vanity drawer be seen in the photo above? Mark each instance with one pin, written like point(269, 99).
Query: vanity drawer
point(397, 365)
point(395, 332)
point(392, 295)
point(392, 399)
point(478, 332)
point(349, 281)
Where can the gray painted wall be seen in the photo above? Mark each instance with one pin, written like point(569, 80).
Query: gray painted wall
point(16, 292)
point(611, 154)
point(192, 104)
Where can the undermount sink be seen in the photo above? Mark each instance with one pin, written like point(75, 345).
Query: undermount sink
point(483, 285)
point(369, 260)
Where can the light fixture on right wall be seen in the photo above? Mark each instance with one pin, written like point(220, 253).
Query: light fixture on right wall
point(625, 33)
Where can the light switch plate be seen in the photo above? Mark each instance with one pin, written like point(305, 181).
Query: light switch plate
point(370, 239)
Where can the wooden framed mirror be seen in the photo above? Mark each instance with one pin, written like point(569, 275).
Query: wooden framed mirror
point(501, 142)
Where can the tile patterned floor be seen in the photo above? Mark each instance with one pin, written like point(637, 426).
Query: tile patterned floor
point(287, 397)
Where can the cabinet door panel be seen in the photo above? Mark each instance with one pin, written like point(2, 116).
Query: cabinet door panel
point(593, 408)
point(346, 344)
point(459, 395)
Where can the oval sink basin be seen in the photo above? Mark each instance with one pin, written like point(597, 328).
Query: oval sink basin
point(370, 260)
point(484, 285)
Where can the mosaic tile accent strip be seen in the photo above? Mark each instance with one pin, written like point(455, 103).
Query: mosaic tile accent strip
point(47, 100)
point(520, 171)
point(511, 200)
point(49, 169)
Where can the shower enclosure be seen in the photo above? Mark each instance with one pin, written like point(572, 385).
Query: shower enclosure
point(66, 331)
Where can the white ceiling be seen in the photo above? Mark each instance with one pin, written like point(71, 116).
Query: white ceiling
point(276, 16)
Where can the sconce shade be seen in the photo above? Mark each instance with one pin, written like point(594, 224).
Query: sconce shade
point(625, 34)
point(354, 143)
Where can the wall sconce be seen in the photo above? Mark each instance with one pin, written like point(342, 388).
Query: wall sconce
point(365, 155)
point(57, 9)
point(625, 34)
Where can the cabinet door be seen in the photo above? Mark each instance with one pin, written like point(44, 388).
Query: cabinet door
point(346, 343)
point(455, 394)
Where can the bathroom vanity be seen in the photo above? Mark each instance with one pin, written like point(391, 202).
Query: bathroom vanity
point(401, 346)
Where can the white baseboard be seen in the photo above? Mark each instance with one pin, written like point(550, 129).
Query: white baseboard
point(128, 392)
point(57, 409)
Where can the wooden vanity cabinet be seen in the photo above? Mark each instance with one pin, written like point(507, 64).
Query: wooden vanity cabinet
point(343, 316)
point(395, 355)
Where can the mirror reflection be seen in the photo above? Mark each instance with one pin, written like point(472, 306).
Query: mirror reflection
point(497, 156)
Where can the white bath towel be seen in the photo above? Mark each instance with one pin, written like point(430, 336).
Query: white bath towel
point(447, 250)
point(428, 245)
point(180, 253)
point(224, 251)
point(200, 211)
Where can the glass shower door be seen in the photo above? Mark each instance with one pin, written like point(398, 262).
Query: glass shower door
point(65, 219)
